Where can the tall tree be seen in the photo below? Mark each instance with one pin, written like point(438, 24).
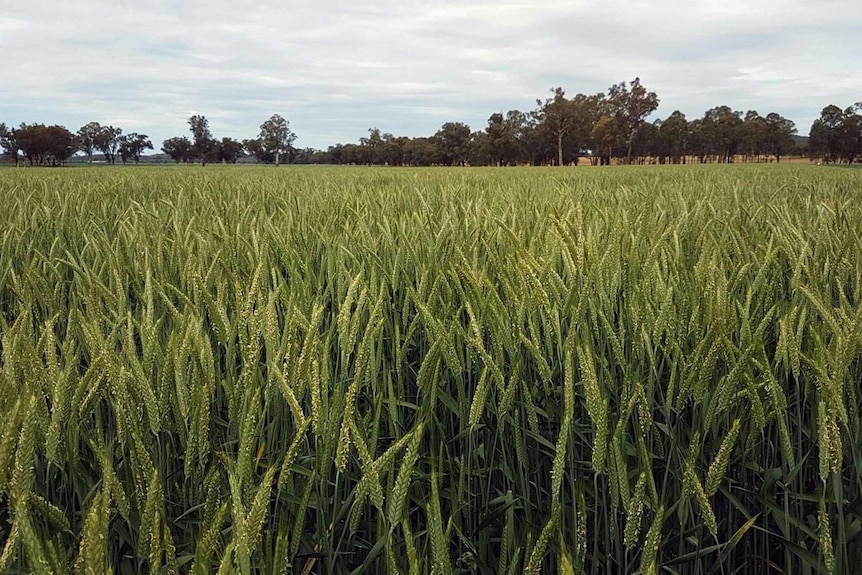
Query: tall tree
point(824, 136)
point(586, 111)
point(753, 135)
point(479, 150)
point(230, 150)
point(606, 137)
point(631, 104)
point(721, 133)
point(779, 135)
point(46, 145)
point(421, 152)
point(518, 134)
point(556, 116)
point(373, 146)
point(675, 133)
point(393, 150)
point(565, 125)
point(452, 141)
point(179, 148)
point(503, 137)
point(88, 135)
point(648, 143)
point(107, 140)
point(204, 144)
point(538, 147)
point(255, 148)
point(700, 134)
point(133, 145)
point(9, 142)
point(276, 137)
point(853, 125)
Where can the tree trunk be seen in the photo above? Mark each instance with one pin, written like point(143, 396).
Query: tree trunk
point(559, 148)
point(277, 159)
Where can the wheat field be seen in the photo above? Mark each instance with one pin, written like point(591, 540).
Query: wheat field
point(355, 370)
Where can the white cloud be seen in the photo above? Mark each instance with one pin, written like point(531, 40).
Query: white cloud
point(335, 68)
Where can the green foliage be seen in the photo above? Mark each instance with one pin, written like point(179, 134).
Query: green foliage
point(452, 371)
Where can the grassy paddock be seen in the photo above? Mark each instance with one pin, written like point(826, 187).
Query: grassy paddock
point(329, 370)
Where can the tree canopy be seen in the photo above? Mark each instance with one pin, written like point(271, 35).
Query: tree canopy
point(133, 145)
point(618, 125)
point(204, 144)
point(276, 140)
point(836, 136)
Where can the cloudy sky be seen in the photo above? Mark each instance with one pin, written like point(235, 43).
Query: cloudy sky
point(335, 68)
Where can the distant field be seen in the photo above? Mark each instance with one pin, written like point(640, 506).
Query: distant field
point(355, 370)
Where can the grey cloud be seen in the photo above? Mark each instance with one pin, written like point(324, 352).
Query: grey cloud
point(336, 68)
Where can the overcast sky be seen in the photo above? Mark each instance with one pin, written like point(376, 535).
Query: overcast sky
point(335, 68)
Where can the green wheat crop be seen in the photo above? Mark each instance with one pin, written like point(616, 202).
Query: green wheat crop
point(328, 370)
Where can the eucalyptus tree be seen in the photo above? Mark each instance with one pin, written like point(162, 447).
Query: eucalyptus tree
point(88, 136)
point(675, 133)
point(556, 116)
point(179, 148)
point(504, 137)
point(45, 145)
point(453, 141)
point(276, 138)
point(230, 150)
point(107, 140)
point(606, 138)
point(837, 134)
point(631, 104)
point(753, 136)
point(779, 135)
point(132, 145)
point(204, 143)
point(9, 142)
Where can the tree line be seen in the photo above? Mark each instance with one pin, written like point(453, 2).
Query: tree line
point(273, 145)
point(604, 127)
point(836, 136)
point(41, 145)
